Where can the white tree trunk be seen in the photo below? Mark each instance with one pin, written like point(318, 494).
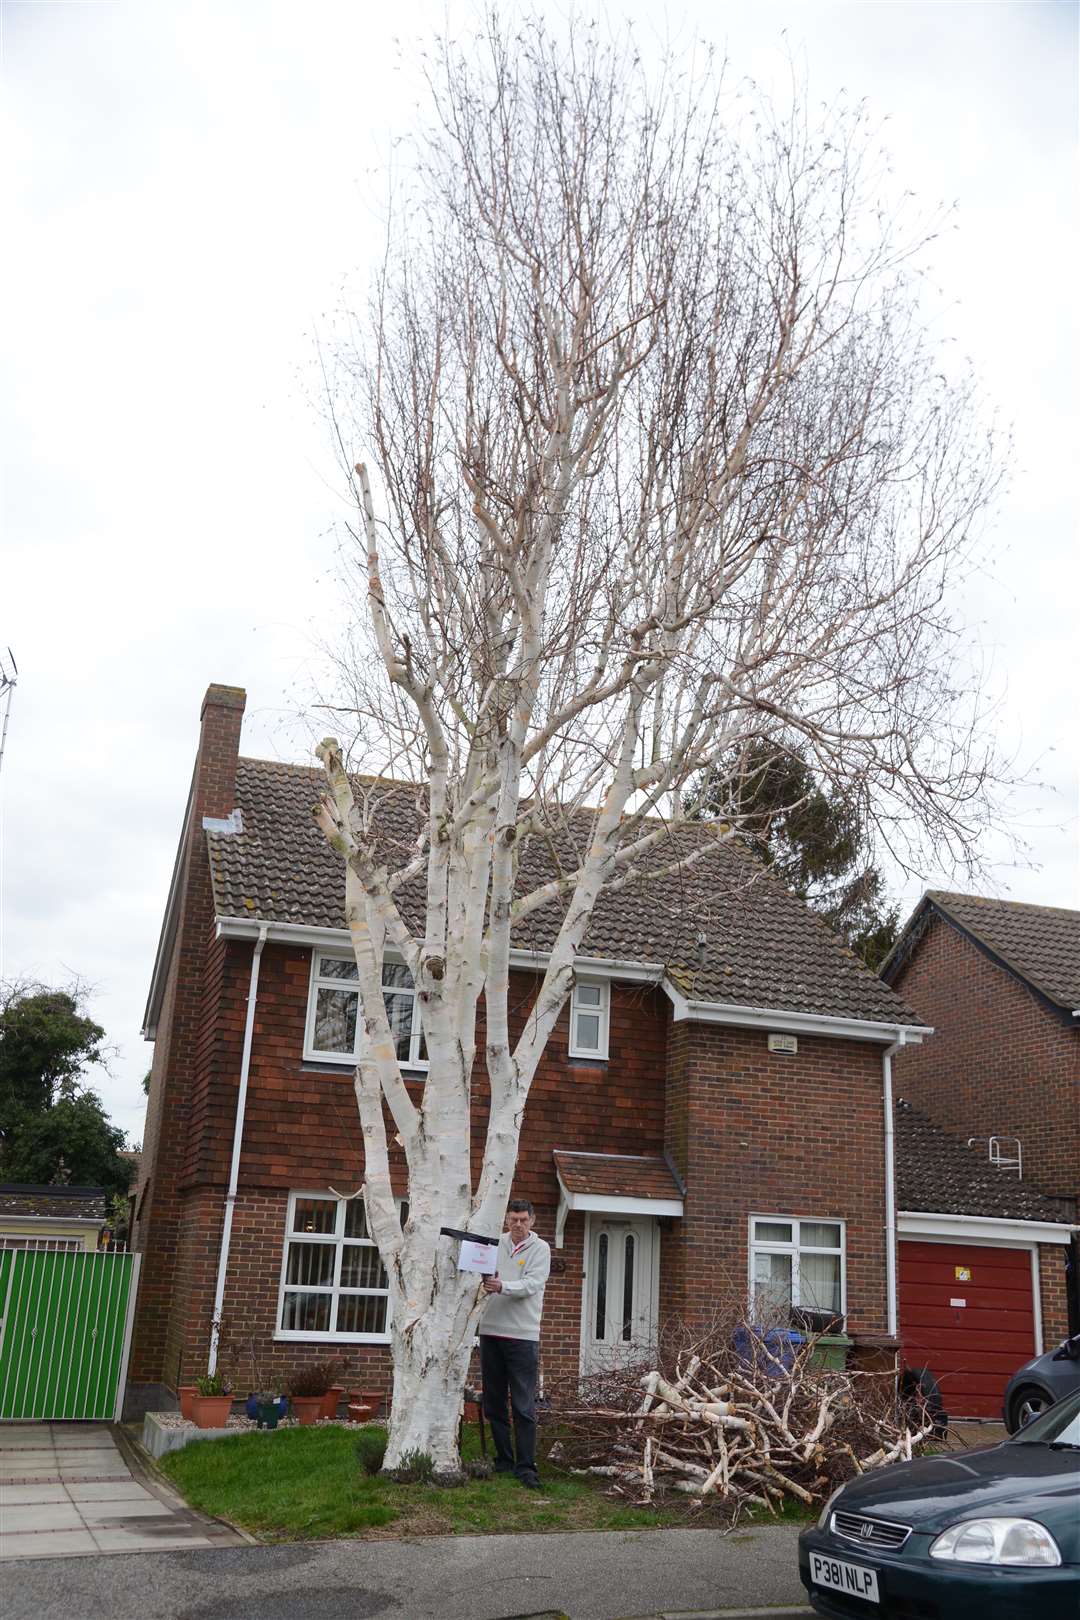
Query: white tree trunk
point(669, 468)
point(431, 1363)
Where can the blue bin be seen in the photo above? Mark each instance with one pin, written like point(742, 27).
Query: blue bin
point(772, 1352)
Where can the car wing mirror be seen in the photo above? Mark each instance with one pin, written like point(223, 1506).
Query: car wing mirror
point(1069, 1351)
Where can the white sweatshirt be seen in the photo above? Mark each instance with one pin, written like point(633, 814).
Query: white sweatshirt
point(515, 1312)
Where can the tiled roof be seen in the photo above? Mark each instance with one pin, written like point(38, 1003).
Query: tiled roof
point(616, 1175)
point(938, 1172)
point(64, 1203)
point(763, 947)
point(1039, 943)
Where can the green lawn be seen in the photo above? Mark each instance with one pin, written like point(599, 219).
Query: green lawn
point(301, 1483)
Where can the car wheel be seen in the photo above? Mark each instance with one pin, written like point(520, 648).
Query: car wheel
point(1027, 1403)
point(920, 1393)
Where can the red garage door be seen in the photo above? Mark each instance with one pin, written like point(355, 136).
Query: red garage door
point(966, 1313)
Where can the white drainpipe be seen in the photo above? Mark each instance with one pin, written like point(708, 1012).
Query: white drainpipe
point(890, 1181)
point(238, 1137)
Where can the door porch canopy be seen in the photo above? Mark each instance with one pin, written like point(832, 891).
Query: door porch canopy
point(615, 1184)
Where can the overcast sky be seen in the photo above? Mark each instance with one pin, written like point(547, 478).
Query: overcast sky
point(187, 189)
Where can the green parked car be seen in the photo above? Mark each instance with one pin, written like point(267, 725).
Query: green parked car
point(989, 1534)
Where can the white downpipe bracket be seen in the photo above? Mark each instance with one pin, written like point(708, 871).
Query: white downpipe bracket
point(238, 1138)
point(890, 1181)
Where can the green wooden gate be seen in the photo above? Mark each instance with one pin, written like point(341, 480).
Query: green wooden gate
point(65, 1332)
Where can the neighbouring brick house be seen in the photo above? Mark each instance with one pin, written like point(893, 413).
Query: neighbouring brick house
point(710, 1114)
point(1000, 983)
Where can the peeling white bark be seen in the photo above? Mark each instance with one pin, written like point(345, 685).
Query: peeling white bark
point(665, 468)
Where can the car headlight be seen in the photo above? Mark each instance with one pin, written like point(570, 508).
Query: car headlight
point(823, 1519)
point(997, 1541)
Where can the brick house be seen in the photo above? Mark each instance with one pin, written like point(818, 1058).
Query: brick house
point(1000, 983)
point(710, 1114)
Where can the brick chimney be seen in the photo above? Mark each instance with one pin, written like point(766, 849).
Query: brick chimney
point(219, 747)
point(183, 980)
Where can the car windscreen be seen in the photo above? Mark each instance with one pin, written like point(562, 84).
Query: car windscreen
point(1059, 1426)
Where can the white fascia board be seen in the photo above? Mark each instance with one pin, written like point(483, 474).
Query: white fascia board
point(602, 1204)
point(167, 937)
point(613, 1204)
point(787, 1022)
point(610, 1204)
point(609, 967)
point(90, 1222)
point(982, 1229)
point(595, 967)
point(283, 933)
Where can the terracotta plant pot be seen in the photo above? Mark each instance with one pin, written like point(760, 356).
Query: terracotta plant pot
point(372, 1398)
point(211, 1411)
point(358, 1412)
point(472, 1412)
point(308, 1408)
point(330, 1401)
point(186, 1394)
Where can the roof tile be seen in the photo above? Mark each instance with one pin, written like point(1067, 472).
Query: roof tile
point(938, 1172)
point(57, 1203)
point(762, 946)
point(1040, 943)
point(616, 1175)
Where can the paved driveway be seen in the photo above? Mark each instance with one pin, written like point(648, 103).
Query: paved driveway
point(66, 1489)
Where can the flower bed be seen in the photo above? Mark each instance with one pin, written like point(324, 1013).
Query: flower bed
point(163, 1432)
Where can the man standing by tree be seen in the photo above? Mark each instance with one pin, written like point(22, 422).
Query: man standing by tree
point(510, 1342)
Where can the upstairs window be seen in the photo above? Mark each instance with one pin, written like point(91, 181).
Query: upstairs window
point(589, 1005)
point(797, 1271)
point(334, 1018)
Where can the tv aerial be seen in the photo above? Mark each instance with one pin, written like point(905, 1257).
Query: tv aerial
point(9, 676)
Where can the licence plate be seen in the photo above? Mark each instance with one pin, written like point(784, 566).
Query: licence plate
point(840, 1576)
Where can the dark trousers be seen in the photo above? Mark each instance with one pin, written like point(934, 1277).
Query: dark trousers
point(509, 1368)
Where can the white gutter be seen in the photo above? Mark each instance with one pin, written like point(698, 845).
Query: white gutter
point(782, 1020)
point(598, 967)
point(999, 1229)
point(890, 1180)
point(238, 1137)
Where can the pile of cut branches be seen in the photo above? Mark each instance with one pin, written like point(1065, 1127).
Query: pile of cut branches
point(737, 1419)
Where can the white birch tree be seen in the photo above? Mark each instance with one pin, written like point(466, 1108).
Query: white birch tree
point(666, 464)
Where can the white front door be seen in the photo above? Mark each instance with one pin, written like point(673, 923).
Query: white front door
point(620, 1291)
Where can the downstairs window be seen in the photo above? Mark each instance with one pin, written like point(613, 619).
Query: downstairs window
point(333, 1285)
point(797, 1271)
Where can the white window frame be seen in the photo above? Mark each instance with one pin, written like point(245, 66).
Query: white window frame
point(42, 1245)
point(312, 1054)
point(597, 1054)
point(795, 1248)
point(338, 1239)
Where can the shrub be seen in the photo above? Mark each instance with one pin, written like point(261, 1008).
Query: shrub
point(315, 1379)
point(212, 1384)
point(371, 1449)
point(415, 1468)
